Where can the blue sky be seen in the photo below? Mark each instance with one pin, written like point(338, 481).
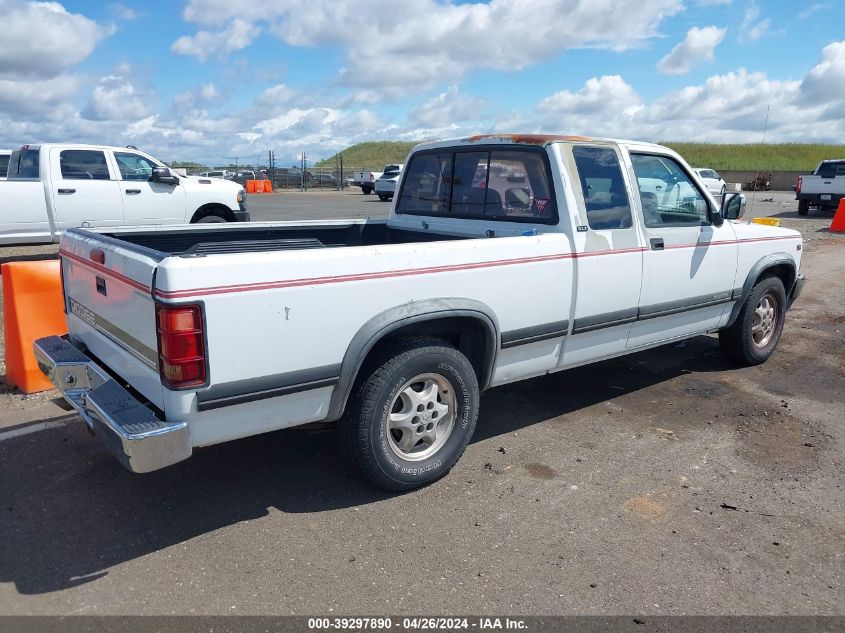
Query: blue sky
point(206, 80)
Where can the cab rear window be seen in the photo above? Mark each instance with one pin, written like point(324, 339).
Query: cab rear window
point(501, 184)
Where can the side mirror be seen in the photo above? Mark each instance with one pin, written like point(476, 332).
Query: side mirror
point(733, 206)
point(164, 176)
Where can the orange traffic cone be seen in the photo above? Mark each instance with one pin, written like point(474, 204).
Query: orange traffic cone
point(838, 224)
point(32, 308)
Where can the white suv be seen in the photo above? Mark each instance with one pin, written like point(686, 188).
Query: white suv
point(712, 180)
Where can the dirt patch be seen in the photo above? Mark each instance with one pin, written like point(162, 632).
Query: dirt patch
point(644, 508)
point(541, 471)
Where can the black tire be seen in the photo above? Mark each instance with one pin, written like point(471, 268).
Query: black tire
point(366, 190)
point(383, 197)
point(372, 447)
point(210, 219)
point(803, 207)
point(737, 342)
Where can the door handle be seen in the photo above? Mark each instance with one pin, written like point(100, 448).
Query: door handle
point(133, 191)
point(67, 191)
point(656, 243)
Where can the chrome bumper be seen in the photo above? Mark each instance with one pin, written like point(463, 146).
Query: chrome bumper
point(130, 430)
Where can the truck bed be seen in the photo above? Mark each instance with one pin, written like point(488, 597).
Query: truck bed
point(220, 239)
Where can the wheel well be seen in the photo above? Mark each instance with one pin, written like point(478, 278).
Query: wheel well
point(213, 209)
point(784, 272)
point(469, 335)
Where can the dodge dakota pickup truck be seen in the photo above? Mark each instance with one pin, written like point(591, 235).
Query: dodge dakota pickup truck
point(823, 189)
point(54, 187)
point(503, 257)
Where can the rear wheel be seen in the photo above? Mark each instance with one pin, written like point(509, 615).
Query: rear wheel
point(803, 207)
point(383, 197)
point(211, 219)
point(367, 190)
point(757, 329)
point(411, 415)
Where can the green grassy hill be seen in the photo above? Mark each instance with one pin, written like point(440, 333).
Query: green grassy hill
point(374, 154)
point(780, 157)
point(769, 157)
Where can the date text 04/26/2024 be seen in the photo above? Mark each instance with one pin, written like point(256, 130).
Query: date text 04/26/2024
point(417, 624)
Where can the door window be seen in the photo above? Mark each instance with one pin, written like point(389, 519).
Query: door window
point(134, 166)
point(605, 197)
point(668, 195)
point(83, 164)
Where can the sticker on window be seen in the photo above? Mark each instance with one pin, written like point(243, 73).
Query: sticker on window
point(541, 204)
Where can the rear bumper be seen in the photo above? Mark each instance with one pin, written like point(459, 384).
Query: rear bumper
point(795, 292)
point(130, 430)
point(831, 200)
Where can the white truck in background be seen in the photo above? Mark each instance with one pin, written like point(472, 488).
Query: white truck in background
point(823, 189)
point(54, 187)
point(367, 179)
point(504, 257)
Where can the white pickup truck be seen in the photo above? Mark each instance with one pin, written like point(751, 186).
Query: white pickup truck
point(824, 188)
point(553, 257)
point(54, 187)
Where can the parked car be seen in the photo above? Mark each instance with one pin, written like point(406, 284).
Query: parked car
point(324, 180)
point(215, 174)
point(823, 189)
point(53, 187)
point(712, 180)
point(4, 162)
point(392, 328)
point(385, 185)
point(292, 177)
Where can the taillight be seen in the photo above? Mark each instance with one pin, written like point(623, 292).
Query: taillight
point(181, 345)
point(798, 184)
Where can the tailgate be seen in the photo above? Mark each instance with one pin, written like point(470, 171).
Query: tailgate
point(108, 297)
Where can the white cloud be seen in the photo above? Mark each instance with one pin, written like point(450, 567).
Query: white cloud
point(712, 3)
point(115, 98)
point(25, 98)
point(122, 12)
point(600, 96)
point(826, 81)
point(439, 41)
point(205, 44)
point(43, 39)
point(698, 46)
point(813, 9)
point(752, 27)
point(447, 108)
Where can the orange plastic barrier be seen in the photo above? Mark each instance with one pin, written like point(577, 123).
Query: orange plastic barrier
point(259, 186)
point(838, 224)
point(32, 308)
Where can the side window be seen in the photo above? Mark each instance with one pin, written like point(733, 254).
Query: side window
point(427, 185)
point(668, 196)
point(24, 164)
point(605, 197)
point(133, 166)
point(83, 164)
point(4, 164)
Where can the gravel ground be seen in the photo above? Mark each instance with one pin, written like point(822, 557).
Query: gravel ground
point(665, 482)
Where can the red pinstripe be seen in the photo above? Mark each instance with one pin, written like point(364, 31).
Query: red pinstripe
point(106, 271)
point(316, 281)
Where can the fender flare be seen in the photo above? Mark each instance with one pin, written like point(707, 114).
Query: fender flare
point(384, 323)
point(762, 265)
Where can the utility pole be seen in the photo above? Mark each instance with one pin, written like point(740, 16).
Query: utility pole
point(304, 162)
